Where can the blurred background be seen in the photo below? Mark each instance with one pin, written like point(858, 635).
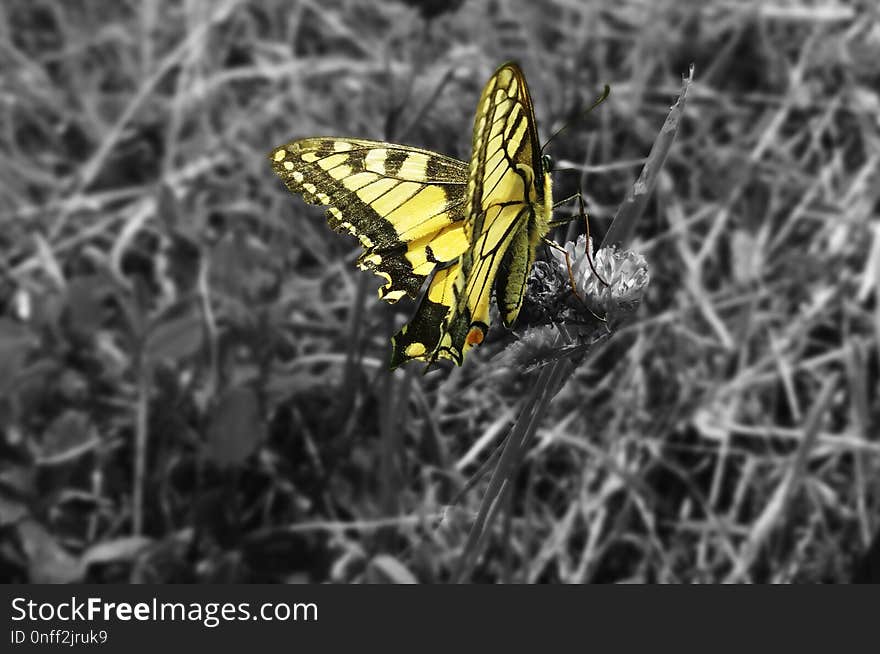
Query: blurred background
point(193, 373)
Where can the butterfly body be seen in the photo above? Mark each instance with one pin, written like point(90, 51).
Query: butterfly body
point(470, 228)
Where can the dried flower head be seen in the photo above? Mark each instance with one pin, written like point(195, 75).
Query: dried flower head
point(618, 288)
point(621, 281)
point(587, 312)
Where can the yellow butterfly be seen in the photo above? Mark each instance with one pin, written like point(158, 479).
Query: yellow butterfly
point(471, 227)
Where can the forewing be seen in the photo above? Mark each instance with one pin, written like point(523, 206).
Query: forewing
point(405, 205)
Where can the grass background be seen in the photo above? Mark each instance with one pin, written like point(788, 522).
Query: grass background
point(193, 381)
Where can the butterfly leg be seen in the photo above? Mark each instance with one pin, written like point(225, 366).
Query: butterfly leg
point(579, 196)
point(563, 221)
point(555, 245)
point(562, 202)
point(582, 211)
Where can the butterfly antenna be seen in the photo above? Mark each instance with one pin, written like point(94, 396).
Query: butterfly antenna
point(583, 113)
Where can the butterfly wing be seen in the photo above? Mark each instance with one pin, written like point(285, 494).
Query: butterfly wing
point(405, 205)
point(419, 338)
point(509, 203)
point(471, 227)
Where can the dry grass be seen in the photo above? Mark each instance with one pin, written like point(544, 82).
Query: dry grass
point(194, 382)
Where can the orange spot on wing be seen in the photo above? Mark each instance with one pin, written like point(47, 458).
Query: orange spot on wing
point(475, 336)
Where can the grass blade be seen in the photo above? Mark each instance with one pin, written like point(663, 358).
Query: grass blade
point(628, 214)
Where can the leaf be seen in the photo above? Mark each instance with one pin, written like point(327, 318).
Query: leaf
point(176, 338)
point(85, 298)
point(11, 510)
point(17, 486)
point(392, 569)
point(180, 261)
point(235, 428)
point(67, 438)
point(745, 251)
point(633, 207)
point(48, 562)
point(119, 549)
point(242, 270)
point(15, 339)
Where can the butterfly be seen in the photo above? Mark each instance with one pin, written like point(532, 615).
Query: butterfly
point(470, 228)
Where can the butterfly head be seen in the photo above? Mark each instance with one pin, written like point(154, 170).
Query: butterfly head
point(547, 163)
